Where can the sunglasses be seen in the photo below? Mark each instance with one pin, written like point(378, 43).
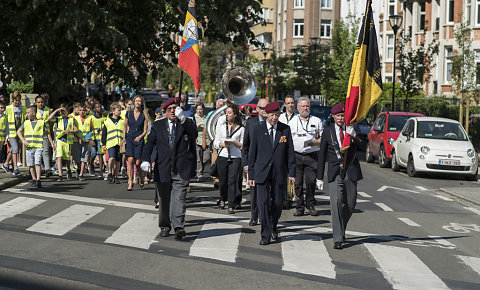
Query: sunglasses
point(261, 108)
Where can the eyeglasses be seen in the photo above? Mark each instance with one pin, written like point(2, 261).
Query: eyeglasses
point(261, 108)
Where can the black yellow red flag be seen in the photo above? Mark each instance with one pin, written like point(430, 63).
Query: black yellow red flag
point(365, 83)
point(189, 56)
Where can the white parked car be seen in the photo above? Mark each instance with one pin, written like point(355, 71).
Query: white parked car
point(434, 145)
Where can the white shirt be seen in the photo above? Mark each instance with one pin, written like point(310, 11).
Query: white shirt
point(221, 135)
point(285, 118)
point(304, 131)
point(337, 132)
point(274, 130)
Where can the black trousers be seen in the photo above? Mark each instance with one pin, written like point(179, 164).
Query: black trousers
point(306, 171)
point(228, 173)
point(270, 197)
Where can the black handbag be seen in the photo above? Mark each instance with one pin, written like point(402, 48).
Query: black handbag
point(214, 170)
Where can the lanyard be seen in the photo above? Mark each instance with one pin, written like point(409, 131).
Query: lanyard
point(300, 120)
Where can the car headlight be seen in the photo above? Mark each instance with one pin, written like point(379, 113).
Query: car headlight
point(470, 152)
point(391, 141)
point(424, 150)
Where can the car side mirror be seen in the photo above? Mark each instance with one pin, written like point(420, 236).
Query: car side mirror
point(405, 133)
point(376, 128)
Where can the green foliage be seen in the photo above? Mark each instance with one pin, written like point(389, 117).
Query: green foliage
point(20, 87)
point(463, 61)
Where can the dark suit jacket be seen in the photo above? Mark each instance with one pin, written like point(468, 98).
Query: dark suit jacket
point(250, 125)
point(264, 158)
point(184, 159)
point(327, 150)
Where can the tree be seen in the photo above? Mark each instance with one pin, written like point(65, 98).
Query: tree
point(416, 65)
point(59, 43)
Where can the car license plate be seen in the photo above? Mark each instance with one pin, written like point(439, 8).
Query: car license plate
point(449, 162)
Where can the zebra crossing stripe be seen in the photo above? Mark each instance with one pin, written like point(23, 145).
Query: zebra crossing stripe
point(218, 241)
point(403, 269)
point(472, 262)
point(383, 206)
point(139, 231)
point(17, 206)
point(474, 210)
point(364, 194)
point(409, 222)
point(66, 220)
point(306, 254)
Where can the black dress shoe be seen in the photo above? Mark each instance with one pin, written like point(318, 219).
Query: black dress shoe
point(180, 233)
point(264, 241)
point(274, 234)
point(298, 212)
point(165, 233)
point(313, 211)
point(252, 223)
point(337, 246)
point(343, 239)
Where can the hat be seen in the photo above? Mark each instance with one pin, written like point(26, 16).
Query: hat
point(338, 108)
point(169, 102)
point(158, 110)
point(272, 107)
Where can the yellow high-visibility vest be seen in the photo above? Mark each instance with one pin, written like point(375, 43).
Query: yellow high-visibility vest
point(97, 126)
point(114, 133)
point(34, 136)
point(59, 129)
point(83, 128)
point(3, 128)
point(46, 114)
point(11, 120)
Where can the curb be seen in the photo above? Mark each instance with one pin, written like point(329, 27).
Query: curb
point(459, 198)
point(14, 181)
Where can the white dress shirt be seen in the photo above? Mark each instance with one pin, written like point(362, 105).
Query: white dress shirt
point(285, 118)
point(274, 130)
point(221, 135)
point(337, 132)
point(305, 130)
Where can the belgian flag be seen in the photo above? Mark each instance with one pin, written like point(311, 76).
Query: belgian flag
point(365, 83)
point(189, 56)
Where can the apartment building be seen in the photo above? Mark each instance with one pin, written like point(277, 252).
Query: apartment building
point(426, 21)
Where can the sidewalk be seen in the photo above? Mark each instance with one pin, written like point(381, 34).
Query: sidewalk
point(468, 193)
point(8, 180)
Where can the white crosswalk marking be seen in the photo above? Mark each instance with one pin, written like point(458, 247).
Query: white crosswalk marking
point(66, 220)
point(138, 232)
point(403, 269)
point(472, 262)
point(443, 197)
point(474, 210)
point(409, 222)
point(442, 241)
point(383, 206)
point(306, 254)
point(364, 194)
point(17, 206)
point(218, 241)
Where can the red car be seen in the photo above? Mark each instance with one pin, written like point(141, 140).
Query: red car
point(384, 132)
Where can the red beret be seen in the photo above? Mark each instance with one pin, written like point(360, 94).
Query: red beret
point(272, 107)
point(169, 102)
point(338, 108)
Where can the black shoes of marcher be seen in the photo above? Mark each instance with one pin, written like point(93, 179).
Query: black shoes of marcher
point(313, 211)
point(34, 183)
point(164, 232)
point(252, 223)
point(180, 233)
point(264, 241)
point(275, 234)
point(338, 246)
point(231, 210)
point(298, 212)
point(39, 184)
point(116, 180)
point(157, 205)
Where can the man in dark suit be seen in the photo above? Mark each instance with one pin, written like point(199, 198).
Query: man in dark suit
point(342, 177)
point(174, 138)
point(271, 159)
point(250, 125)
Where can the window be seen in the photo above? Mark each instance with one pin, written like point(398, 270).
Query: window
point(325, 29)
point(298, 4)
point(390, 46)
point(298, 28)
point(468, 11)
point(265, 15)
point(478, 13)
point(450, 11)
point(477, 67)
point(284, 29)
point(265, 39)
point(285, 4)
point(448, 64)
point(421, 16)
point(326, 3)
point(391, 7)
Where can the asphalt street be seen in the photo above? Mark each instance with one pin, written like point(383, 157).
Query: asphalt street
point(405, 234)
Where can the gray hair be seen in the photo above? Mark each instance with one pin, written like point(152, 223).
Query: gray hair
point(301, 99)
point(220, 100)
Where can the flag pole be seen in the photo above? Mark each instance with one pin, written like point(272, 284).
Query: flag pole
point(180, 89)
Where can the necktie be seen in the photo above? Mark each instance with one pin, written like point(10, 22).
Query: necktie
point(271, 134)
point(172, 135)
point(341, 136)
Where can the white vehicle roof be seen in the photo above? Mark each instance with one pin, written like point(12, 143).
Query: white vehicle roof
point(435, 119)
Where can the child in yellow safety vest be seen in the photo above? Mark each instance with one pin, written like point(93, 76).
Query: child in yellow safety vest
point(43, 112)
point(80, 148)
point(34, 130)
point(3, 131)
point(112, 136)
point(65, 129)
point(96, 120)
point(15, 118)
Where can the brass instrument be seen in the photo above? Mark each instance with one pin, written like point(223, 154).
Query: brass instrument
point(239, 87)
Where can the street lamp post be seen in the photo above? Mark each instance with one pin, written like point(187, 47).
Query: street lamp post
point(264, 51)
point(395, 22)
point(315, 41)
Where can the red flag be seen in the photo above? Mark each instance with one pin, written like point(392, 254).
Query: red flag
point(189, 56)
point(365, 83)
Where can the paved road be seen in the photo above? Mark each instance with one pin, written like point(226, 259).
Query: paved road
point(90, 235)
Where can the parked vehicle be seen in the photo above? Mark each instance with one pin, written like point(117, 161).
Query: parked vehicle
point(384, 132)
point(153, 99)
point(363, 134)
point(436, 145)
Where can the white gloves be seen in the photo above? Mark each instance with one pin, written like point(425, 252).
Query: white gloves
point(145, 166)
point(320, 184)
point(179, 113)
point(350, 131)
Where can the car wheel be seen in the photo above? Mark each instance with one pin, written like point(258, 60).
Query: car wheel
point(382, 158)
point(395, 166)
point(411, 167)
point(368, 154)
